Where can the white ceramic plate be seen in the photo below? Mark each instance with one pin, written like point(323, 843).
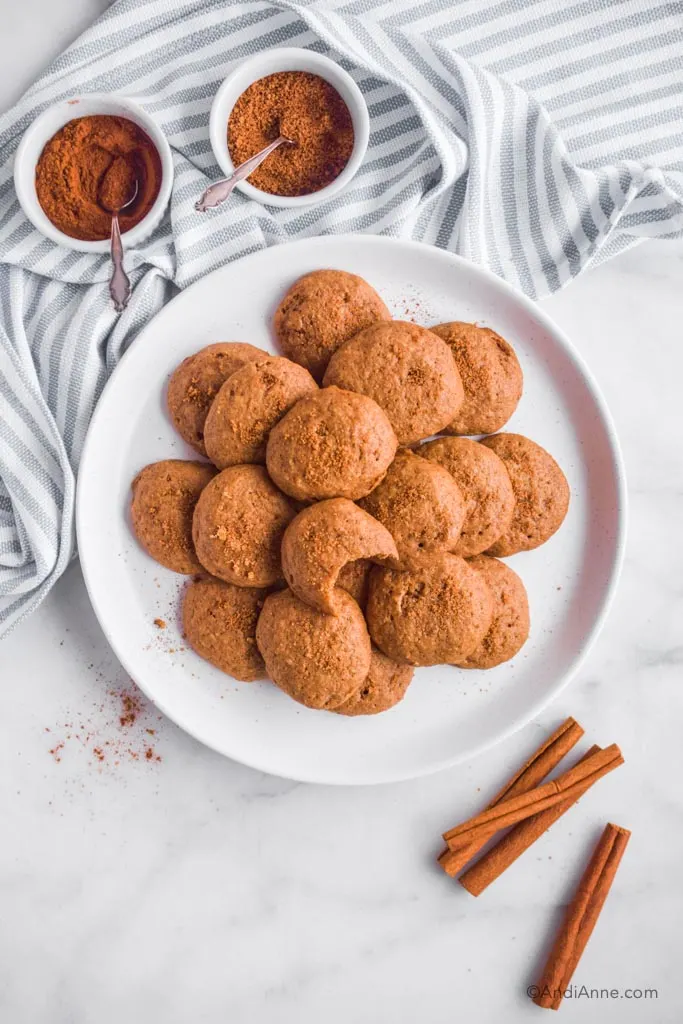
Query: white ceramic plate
point(448, 714)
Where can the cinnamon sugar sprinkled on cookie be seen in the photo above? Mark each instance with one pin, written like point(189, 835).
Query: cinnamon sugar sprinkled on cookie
point(195, 383)
point(407, 370)
point(485, 486)
point(541, 493)
point(509, 628)
point(322, 311)
point(384, 686)
point(164, 498)
point(247, 407)
point(322, 539)
point(319, 660)
point(434, 614)
point(420, 504)
point(332, 444)
point(238, 527)
point(491, 376)
point(219, 622)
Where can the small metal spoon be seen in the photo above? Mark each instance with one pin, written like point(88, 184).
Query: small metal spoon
point(119, 283)
point(220, 190)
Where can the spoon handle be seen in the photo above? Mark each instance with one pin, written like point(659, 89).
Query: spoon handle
point(220, 190)
point(119, 284)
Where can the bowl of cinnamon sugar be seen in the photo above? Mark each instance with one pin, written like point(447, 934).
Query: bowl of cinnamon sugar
point(305, 97)
point(85, 148)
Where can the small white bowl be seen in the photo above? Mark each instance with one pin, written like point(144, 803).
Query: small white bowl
point(268, 63)
point(42, 130)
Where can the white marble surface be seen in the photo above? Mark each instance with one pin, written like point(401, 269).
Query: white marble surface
point(191, 889)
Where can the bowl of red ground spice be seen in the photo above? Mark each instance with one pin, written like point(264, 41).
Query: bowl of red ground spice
point(309, 99)
point(77, 146)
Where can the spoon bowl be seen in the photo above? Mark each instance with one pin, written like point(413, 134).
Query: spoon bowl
point(107, 193)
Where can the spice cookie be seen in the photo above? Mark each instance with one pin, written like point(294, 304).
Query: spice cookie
point(195, 383)
point(436, 613)
point(354, 578)
point(164, 499)
point(407, 370)
point(491, 376)
point(384, 687)
point(485, 485)
point(322, 539)
point(319, 660)
point(238, 527)
point(219, 623)
point(247, 407)
point(541, 493)
point(320, 312)
point(509, 629)
point(421, 506)
point(331, 444)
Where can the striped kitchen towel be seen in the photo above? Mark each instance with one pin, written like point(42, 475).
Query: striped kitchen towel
point(531, 136)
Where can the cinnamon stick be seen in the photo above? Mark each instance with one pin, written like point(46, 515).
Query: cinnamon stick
point(515, 809)
point(581, 917)
point(513, 844)
point(533, 771)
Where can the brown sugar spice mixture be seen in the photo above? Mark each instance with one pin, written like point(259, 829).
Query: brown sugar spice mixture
point(89, 168)
point(304, 108)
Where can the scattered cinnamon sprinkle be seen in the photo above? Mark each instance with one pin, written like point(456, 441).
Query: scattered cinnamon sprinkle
point(116, 730)
point(130, 708)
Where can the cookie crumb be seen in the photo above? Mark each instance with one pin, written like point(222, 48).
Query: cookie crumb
point(160, 623)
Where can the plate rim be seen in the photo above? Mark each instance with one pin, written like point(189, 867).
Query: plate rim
point(617, 461)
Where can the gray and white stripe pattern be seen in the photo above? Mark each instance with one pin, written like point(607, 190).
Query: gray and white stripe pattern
point(529, 136)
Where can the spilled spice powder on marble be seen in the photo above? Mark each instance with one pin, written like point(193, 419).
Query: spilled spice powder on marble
point(115, 730)
point(130, 708)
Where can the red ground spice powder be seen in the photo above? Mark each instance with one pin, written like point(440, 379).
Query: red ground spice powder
point(130, 708)
point(92, 160)
point(115, 730)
